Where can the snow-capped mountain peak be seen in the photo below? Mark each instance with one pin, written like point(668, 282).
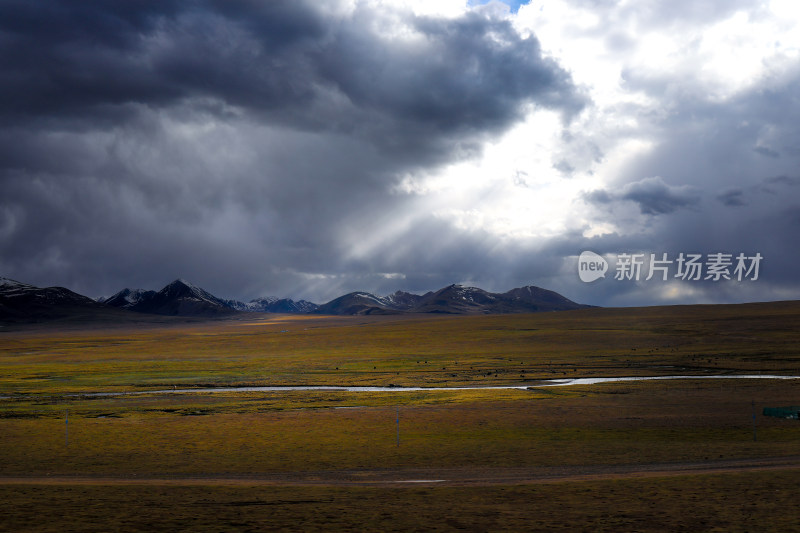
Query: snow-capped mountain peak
point(8, 283)
point(127, 298)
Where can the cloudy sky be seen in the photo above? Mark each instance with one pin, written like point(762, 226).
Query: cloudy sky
point(307, 149)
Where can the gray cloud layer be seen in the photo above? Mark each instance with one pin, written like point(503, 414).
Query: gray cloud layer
point(239, 144)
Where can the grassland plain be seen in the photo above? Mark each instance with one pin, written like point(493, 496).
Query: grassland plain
point(313, 459)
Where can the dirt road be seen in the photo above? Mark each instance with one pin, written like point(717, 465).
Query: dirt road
point(449, 477)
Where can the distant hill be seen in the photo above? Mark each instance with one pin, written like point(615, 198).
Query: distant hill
point(457, 299)
point(359, 303)
point(535, 299)
point(23, 302)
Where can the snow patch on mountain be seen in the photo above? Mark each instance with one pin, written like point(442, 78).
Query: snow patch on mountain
point(7, 283)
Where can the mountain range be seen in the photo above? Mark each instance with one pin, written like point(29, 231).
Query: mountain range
point(453, 299)
point(23, 302)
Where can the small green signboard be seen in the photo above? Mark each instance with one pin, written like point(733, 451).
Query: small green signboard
point(783, 412)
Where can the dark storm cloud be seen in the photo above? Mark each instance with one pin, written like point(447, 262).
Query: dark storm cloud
point(63, 58)
point(774, 184)
point(464, 75)
point(766, 152)
point(238, 143)
point(652, 195)
point(475, 72)
point(599, 197)
point(732, 198)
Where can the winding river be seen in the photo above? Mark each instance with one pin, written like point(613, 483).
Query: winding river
point(531, 385)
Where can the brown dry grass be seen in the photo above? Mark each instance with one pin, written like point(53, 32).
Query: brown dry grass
point(727, 502)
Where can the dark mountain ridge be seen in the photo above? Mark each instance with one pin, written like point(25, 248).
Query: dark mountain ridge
point(19, 301)
point(23, 302)
point(273, 305)
point(453, 299)
point(127, 298)
point(179, 298)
